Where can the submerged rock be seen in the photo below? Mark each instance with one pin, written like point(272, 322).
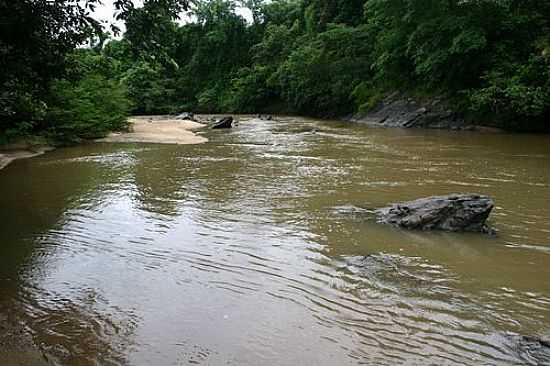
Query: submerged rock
point(543, 341)
point(225, 122)
point(455, 212)
point(410, 275)
point(353, 211)
point(531, 349)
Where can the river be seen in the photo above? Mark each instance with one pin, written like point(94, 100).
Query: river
point(234, 252)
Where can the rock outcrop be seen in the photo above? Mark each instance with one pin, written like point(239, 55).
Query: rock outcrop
point(398, 110)
point(455, 212)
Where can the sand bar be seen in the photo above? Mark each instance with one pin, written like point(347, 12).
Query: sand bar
point(159, 130)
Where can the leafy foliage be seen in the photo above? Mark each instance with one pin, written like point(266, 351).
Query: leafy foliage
point(523, 96)
point(321, 75)
point(148, 88)
point(86, 109)
point(37, 40)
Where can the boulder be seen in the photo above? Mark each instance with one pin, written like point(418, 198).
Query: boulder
point(186, 116)
point(455, 212)
point(225, 122)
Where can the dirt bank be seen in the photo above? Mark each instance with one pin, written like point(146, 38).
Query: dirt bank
point(160, 130)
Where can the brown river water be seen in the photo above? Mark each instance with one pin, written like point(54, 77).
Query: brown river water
point(235, 252)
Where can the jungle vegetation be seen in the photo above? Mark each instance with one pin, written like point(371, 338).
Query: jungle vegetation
point(65, 76)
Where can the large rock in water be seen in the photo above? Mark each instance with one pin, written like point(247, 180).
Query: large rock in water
point(455, 212)
point(225, 122)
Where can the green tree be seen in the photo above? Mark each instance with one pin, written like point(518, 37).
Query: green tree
point(149, 90)
point(36, 38)
point(320, 75)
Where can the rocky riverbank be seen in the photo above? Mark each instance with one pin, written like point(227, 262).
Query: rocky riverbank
point(401, 111)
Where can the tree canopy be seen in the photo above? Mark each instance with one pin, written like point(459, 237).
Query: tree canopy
point(314, 57)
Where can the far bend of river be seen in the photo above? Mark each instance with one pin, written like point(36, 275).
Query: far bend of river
point(232, 252)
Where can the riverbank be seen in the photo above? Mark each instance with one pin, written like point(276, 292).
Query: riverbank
point(143, 129)
point(159, 130)
point(22, 150)
point(394, 112)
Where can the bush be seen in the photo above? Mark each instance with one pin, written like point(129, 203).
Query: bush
point(518, 98)
point(367, 96)
point(86, 109)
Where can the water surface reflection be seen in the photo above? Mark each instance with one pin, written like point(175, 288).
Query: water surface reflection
point(231, 252)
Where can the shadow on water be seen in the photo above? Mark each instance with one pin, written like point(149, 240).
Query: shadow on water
point(231, 252)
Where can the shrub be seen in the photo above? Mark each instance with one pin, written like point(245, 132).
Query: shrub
point(519, 98)
point(86, 109)
point(367, 96)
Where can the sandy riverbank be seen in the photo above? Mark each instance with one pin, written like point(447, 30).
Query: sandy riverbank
point(160, 130)
point(149, 129)
point(9, 154)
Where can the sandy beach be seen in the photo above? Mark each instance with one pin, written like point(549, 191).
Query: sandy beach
point(143, 129)
point(159, 130)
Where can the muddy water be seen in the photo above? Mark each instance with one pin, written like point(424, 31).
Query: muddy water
point(234, 252)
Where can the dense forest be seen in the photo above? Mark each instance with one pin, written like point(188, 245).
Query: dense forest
point(66, 77)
